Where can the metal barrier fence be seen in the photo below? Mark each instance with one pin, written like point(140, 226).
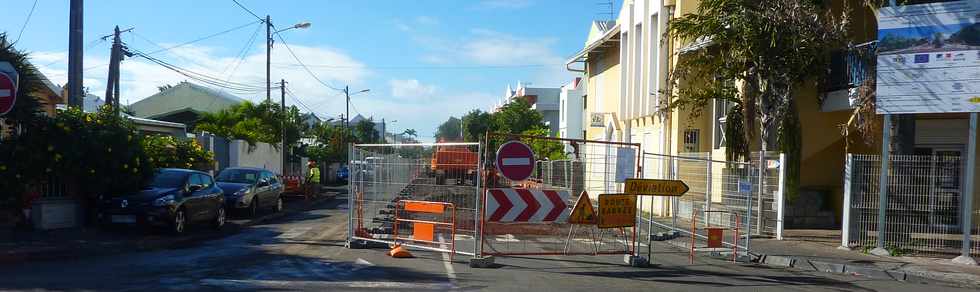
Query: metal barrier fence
point(571, 166)
point(381, 175)
point(754, 194)
point(924, 210)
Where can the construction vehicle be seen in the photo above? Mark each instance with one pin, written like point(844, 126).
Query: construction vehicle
point(454, 162)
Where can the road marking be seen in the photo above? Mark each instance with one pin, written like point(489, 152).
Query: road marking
point(321, 285)
point(294, 232)
point(450, 271)
point(360, 264)
point(507, 238)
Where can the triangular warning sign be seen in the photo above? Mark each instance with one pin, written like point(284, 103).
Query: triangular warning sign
point(583, 213)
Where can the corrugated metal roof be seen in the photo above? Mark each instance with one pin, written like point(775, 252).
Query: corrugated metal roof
point(184, 96)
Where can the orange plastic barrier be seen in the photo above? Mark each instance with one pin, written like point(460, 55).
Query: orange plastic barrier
point(423, 230)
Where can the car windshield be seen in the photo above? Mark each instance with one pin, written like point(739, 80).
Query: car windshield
point(168, 179)
point(241, 176)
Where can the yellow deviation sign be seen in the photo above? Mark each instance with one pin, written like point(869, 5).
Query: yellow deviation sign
point(655, 187)
point(582, 213)
point(617, 210)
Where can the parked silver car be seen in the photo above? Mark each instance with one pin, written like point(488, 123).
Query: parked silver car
point(250, 189)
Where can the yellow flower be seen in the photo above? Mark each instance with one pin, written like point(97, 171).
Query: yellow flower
point(47, 169)
point(125, 166)
point(3, 167)
point(109, 149)
point(134, 170)
point(50, 148)
point(91, 171)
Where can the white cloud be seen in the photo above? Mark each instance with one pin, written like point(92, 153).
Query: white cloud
point(411, 88)
point(509, 4)
point(140, 77)
point(494, 48)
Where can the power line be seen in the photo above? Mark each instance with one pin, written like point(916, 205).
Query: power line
point(243, 52)
point(22, 27)
point(247, 10)
point(464, 67)
point(205, 37)
point(204, 78)
point(283, 40)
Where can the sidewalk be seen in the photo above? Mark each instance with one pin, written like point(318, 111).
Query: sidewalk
point(817, 250)
point(26, 246)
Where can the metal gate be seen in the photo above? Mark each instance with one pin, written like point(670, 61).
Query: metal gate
point(567, 166)
point(385, 176)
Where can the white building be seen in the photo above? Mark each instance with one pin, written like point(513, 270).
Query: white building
point(542, 99)
point(643, 57)
point(572, 110)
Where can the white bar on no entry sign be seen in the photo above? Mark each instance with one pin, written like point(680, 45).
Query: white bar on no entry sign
point(516, 161)
point(4, 92)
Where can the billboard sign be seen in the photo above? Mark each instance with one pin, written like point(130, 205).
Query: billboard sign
point(929, 58)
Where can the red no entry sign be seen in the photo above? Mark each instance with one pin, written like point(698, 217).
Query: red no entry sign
point(8, 93)
point(515, 160)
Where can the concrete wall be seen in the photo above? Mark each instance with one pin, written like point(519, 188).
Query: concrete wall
point(262, 155)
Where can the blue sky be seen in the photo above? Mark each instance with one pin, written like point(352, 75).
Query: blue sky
point(423, 60)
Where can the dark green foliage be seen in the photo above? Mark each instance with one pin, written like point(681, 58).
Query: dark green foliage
point(254, 123)
point(449, 130)
point(769, 47)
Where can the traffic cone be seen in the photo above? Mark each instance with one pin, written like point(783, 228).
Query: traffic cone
point(399, 252)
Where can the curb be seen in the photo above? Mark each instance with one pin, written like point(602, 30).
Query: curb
point(806, 264)
point(61, 253)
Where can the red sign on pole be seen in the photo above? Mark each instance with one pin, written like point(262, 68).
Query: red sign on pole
point(515, 160)
point(8, 93)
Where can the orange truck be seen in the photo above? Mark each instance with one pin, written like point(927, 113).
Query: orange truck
point(454, 162)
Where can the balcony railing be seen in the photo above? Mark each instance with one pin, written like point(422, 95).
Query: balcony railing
point(851, 67)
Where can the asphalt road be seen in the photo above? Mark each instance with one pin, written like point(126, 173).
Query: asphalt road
point(306, 252)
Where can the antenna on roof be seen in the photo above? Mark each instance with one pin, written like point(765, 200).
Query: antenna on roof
point(604, 5)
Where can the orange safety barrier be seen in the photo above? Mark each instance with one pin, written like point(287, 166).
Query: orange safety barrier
point(716, 234)
point(423, 231)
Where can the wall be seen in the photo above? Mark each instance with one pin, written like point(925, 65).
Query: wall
point(262, 155)
point(571, 111)
point(603, 87)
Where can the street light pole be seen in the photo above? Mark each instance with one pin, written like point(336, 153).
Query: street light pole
point(268, 58)
point(282, 104)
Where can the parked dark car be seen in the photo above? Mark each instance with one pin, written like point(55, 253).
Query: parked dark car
point(250, 189)
point(173, 198)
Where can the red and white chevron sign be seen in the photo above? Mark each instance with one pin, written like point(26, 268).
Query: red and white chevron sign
point(524, 205)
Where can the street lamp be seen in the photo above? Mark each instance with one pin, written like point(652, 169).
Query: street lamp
point(268, 51)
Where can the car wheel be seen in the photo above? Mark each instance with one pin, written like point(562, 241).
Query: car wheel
point(253, 209)
point(219, 220)
point(179, 222)
point(278, 204)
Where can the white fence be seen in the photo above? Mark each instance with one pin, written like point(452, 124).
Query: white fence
point(754, 193)
point(925, 208)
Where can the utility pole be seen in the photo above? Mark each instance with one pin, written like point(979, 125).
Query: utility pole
point(347, 115)
point(75, 30)
point(282, 105)
point(115, 58)
point(268, 58)
point(383, 131)
point(112, 82)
